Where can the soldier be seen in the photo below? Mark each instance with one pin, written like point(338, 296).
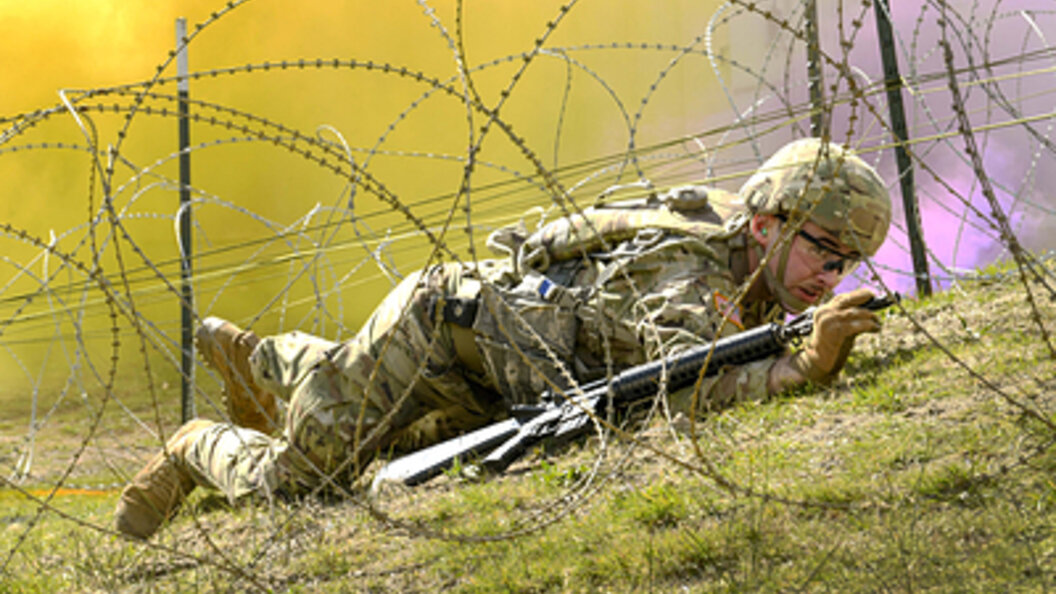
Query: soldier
point(453, 347)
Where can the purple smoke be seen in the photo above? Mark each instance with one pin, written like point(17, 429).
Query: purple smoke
point(1002, 74)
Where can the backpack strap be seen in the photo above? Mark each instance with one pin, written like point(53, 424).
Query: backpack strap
point(686, 210)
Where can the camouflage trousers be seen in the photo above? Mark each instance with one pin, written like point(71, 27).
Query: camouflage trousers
point(398, 385)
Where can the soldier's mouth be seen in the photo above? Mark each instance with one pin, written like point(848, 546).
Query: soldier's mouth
point(809, 294)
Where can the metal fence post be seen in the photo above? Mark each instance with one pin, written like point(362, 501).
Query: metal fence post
point(187, 410)
point(893, 84)
point(814, 76)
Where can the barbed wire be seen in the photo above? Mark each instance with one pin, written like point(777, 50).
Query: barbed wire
point(110, 281)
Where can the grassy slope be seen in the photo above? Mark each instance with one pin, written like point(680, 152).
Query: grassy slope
point(907, 475)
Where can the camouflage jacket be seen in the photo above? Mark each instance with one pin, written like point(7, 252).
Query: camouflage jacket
point(617, 286)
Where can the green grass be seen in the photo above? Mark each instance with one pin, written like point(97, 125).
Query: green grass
point(907, 475)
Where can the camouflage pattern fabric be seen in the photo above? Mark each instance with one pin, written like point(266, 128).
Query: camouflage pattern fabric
point(666, 295)
point(827, 184)
point(399, 384)
point(397, 381)
point(688, 210)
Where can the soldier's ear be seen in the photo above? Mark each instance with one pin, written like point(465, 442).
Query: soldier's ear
point(762, 228)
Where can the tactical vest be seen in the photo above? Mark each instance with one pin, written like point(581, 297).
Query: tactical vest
point(524, 327)
point(687, 210)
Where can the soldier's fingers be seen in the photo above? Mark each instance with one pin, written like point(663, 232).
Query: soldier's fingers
point(858, 318)
point(855, 327)
point(852, 299)
point(847, 322)
point(838, 316)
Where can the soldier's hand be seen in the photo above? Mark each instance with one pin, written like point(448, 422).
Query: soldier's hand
point(836, 324)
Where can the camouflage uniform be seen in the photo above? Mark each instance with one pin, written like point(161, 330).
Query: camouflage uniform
point(582, 297)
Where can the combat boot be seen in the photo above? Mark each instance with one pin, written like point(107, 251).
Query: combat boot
point(226, 348)
point(157, 491)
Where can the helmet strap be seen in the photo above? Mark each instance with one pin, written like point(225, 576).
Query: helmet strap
point(775, 283)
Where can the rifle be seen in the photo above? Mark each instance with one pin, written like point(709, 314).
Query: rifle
point(560, 418)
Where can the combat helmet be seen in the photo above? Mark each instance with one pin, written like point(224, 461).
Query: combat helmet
point(810, 179)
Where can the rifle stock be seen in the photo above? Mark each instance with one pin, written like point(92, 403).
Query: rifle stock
point(569, 417)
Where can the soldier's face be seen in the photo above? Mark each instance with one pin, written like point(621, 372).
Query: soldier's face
point(817, 262)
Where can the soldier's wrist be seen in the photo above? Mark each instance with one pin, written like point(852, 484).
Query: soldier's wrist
point(783, 375)
point(805, 363)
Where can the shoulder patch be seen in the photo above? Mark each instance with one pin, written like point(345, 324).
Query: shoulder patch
point(725, 306)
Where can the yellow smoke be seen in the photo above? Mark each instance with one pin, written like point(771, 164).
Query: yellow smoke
point(51, 45)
